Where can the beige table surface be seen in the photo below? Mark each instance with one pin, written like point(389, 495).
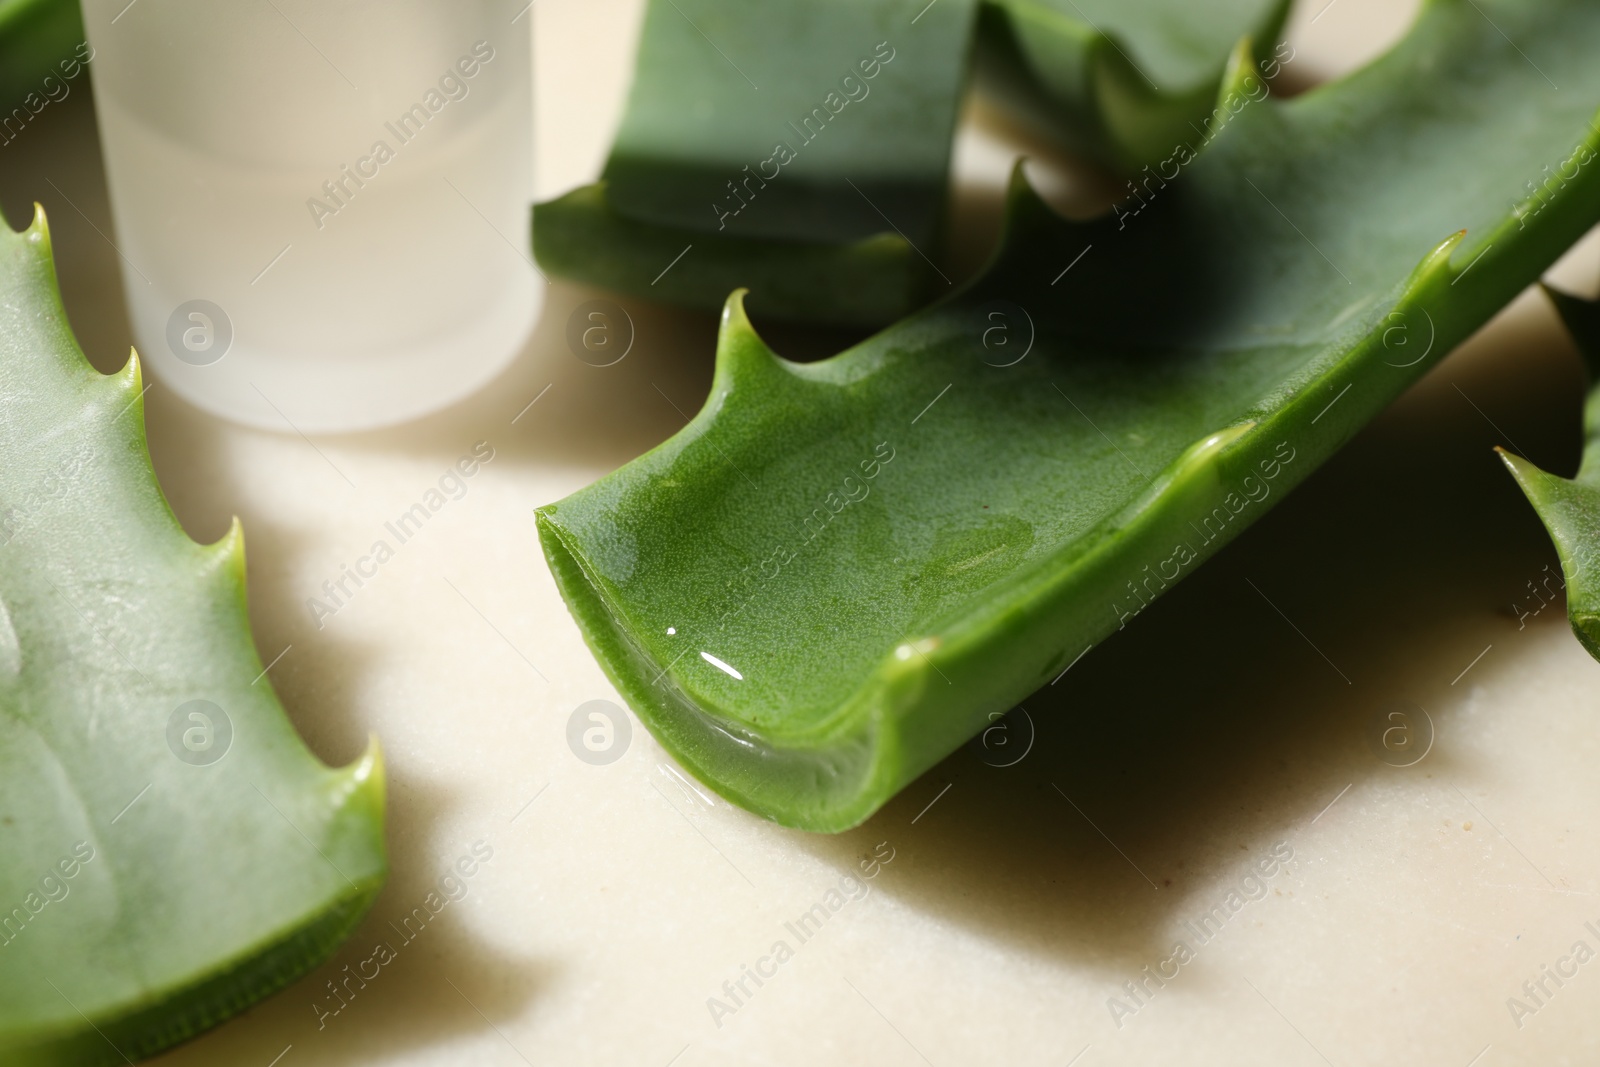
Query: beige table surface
point(1417, 899)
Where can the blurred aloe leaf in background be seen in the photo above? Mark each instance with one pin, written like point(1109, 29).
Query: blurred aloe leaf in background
point(39, 39)
point(1119, 82)
point(803, 151)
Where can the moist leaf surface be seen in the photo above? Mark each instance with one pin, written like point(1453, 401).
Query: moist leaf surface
point(831, 577)
point(212, 860)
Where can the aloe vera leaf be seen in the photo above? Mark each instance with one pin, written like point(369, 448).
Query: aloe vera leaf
point(862, 284)
point(1570, 507)
point(1121, 82)
point(36, 38)
point(802, 149)
point(159, 872)
point(812, 244)
point(1188, 364)
point(718, 85)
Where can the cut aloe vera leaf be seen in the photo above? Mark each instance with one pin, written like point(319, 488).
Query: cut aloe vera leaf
point(1570, 507)
point(836, 572)
point(862, 93)
point(802, 150)
point(868, 283)
point(170, 850)
point(848, 230)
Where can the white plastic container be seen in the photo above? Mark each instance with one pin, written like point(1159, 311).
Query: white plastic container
point(321, 205)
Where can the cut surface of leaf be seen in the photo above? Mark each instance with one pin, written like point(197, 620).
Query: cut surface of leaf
point(1570, 507)
point(170, 850)
point(830, 578)
point(1124, 82)
point(800, 149)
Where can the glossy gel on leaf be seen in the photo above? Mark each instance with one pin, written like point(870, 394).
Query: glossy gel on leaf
point(836, 572)
point(800, 149)
point(1570, 507)
point(1122, 81)
point(170, 850)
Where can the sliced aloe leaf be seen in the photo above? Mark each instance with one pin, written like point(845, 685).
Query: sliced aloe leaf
point(844, 232)
point(39, 39)
point(1570, 507)
point(831, 577)
point(866, 283)
point(170, 851)
point(864, 94)
point(800, 149)
point(1124, 82)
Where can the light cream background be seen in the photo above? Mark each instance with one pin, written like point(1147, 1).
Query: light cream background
point(1418, 900)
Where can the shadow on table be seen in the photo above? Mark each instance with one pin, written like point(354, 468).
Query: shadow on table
point(1236, 708)
point(438, 977)
point(431, 979)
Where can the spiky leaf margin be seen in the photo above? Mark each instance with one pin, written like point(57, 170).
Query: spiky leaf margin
point(207, 887)
point(1570, 507)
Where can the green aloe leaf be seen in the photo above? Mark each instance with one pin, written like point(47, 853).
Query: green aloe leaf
point(845, 231)
point(39, 39)
point(861, 284)
point(170, 851)
point(1123, 82)
point(1570, 507)
point(831, 577)
point(802, 149)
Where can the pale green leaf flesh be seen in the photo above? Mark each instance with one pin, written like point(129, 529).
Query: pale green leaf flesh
point(1570, 507)
point(849, 230)
point(808, 628)
point(195, 889)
